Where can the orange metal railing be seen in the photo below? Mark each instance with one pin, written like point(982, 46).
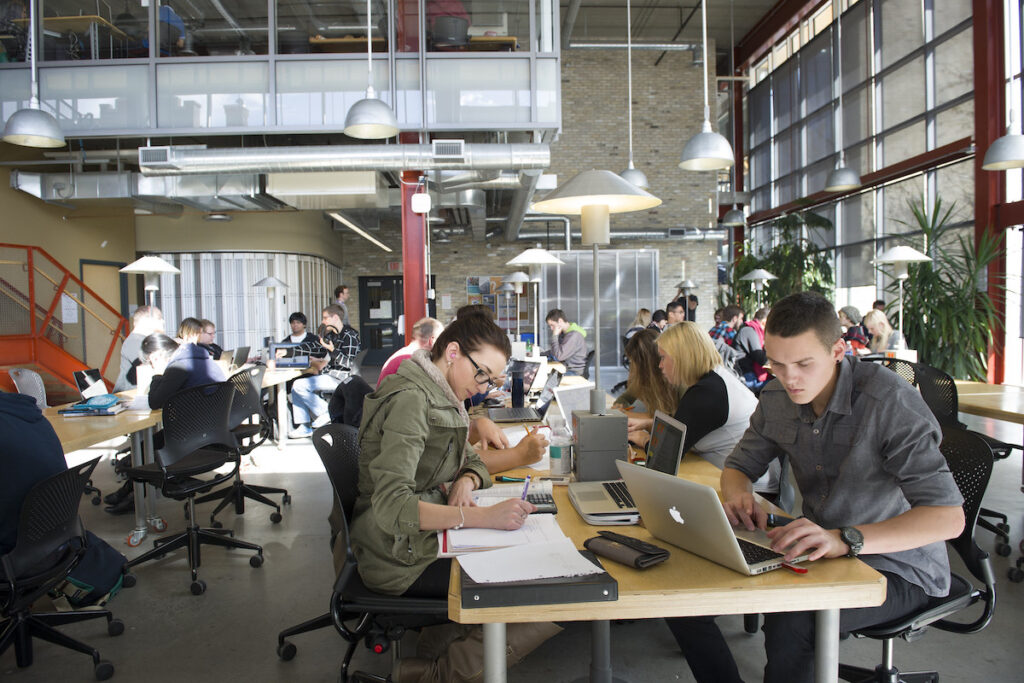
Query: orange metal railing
point(51, 319)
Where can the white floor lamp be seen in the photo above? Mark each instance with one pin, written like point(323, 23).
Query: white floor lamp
point(899, 258)
point(535, 258)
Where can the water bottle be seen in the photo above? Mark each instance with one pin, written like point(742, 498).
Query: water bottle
point(560, 449)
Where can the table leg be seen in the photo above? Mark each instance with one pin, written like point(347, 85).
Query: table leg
point(139, 532)
point(826, 646)
point(155, 521)
point(494, 653)
point(282, 417)
point(600, 654)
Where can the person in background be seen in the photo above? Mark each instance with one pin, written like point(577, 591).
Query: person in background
point(646, 383)
point(885, 496)
point(568, 343)
point(732, 318)
point(341, 295)
point(206, 338)
point(659, 320)
point(879, 305)
point(177, 366)
point(417, 474)
point(691, 307)
point(424, 333)
point(883, 337)
point(332, 355)
point(718, 315)
point(31, 452)
point(750, 342)
point(641, 322)
point(299, 335)
point(676, 311)
point(853, 332)
point(145, 321)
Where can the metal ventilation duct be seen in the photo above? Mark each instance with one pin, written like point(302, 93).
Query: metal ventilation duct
point(157, 161)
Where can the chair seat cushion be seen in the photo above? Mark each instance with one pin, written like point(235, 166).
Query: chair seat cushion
point(180, 475)
point(358, 598)
point(960, 596)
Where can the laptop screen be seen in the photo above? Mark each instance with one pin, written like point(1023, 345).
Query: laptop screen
point(529, 370)
point(293, 357)
point(664, 449)
point(240, 357)
point(572, 398)
point(90, 383)
point(544, 400)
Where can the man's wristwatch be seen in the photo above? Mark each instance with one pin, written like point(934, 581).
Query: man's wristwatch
point(852, 537)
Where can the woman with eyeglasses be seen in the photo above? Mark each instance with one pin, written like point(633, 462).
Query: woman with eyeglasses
point(417, 474)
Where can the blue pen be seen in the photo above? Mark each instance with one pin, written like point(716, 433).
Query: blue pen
point(526, 487)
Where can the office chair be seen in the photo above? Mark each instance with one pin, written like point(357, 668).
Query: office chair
point(30, 383)
point(248, 436)
point(939, 391)
point(380, 620)
point(51, 541)
point(586, 364)
point(970, 461)
point(196, 433)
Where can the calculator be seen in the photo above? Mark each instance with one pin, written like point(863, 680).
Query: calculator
point(545, 502)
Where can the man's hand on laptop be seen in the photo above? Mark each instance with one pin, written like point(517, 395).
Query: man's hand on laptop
point(802, 536)
point(743, 510)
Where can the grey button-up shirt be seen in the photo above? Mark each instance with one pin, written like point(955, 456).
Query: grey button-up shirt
point(872, 455)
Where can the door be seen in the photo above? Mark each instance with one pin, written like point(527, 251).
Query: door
point(381, 302)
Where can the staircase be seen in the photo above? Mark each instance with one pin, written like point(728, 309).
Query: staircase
point(51, 322)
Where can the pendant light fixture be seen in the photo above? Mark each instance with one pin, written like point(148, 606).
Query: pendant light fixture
point(631, 174)
point(734, 217)
point(842, 178)
point(707, 150)
point(370, 118)
point(1007, 151)
point(33, 127)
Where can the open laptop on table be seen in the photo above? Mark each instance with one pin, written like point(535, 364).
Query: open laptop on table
point(240, 357)
point(529, 413)
point(576, 397)
point(527, 367)
point(689, 515)
point(609, 502)
point(90, 383)
point(294, 356)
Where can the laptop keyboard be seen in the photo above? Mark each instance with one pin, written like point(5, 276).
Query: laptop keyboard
point(755, 554)
point(619, 493)
point(524, 413)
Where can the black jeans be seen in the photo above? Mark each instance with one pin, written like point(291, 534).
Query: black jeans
point(433, 582)
point(789, 637)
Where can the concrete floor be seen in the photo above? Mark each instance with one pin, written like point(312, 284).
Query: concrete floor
point(230, 632)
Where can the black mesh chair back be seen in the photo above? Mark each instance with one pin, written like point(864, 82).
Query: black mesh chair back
point(337, 445)
point(195, 418)
point(49, 521)
point(939, 391)
point(248, 383)
point(903, 368)
point(586, 365)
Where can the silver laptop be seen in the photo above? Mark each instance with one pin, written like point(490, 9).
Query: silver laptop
point(240, 357)
point(690, 516)
point(609, 502)
point(575, 397)
point(534, 413)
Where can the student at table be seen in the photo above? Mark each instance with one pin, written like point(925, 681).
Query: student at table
point(883, 336)
point(568, 343)
point(646, 383)
point(176, 367)
point(864, 449)
point(300, 335)
point(417, 473)
point(146, 320)
point(206, 339)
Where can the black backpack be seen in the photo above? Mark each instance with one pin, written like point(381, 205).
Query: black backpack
point(98, 576)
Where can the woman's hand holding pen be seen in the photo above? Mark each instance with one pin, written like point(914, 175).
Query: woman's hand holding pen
point(508, 514)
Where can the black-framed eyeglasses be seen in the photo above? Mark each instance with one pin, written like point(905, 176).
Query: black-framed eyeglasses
point(481, 375)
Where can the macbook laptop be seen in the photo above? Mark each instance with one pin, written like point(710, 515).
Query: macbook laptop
point(90, 383)
point(529, 413)
point(690, 516)
point(609, 502)
point(293, 357)
point(240, 357)
point(576, 397)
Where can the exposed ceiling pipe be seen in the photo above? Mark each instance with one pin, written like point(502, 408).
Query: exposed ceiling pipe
point(189, 161)
point(564, 220)
point(610, 45)
point(520, 203)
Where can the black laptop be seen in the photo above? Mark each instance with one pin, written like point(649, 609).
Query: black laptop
point(533, 413)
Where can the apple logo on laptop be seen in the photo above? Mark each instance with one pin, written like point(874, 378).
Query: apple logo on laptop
point(674, 514)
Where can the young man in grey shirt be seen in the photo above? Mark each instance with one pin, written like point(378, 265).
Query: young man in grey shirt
point(864, 449)
point(568, 345)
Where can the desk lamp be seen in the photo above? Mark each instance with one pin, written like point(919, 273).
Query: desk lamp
point(152, 267)
point(899, 258)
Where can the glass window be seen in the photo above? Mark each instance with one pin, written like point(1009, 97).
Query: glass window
point(99, 97)
point(305, 26)
point(858, 213)
point(788, 189)
point(547, 90)
point(953, 12)
point(784, 104)
point(902, 29)
point(815, 175)
point(954, 67)
point(761, 166)
point(824, 238)
point(896, 201)
point(212, 95)
point(212, 27)
point(955, 183)
point(320, 93)
point(903, 144)
point(903, 93)
point(819, 135)
point(816, 73)
point(856, 115)
point(478, 91)
point(954, 123)
point(857, 269)
point(759, 104)
point(855, 54)
point(787, 153)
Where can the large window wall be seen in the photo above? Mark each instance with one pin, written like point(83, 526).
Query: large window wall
point(903, 72)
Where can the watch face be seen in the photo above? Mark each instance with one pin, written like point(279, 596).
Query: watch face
point(853, 538)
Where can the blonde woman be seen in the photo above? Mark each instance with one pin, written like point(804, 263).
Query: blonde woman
point(883, 337)
point(646, 383)
point(641, 321)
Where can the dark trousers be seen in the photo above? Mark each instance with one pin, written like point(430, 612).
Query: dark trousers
point(433, 582)
point(789, 637)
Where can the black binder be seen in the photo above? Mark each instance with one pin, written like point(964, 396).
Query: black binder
point(591, 588)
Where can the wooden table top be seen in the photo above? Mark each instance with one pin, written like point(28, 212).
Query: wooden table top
point(996, 401)
point(688, 585)
point(76, 433)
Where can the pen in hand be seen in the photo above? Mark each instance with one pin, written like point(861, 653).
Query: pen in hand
point(526, 487)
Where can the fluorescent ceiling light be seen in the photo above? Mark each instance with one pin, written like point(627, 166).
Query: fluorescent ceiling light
point(359, 231)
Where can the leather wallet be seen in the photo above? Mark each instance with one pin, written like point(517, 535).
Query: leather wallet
point(620, 552)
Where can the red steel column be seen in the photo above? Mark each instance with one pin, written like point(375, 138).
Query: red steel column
point(989, 111)
point(414, 248)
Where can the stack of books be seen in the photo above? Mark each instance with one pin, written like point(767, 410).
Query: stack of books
point(83, 408)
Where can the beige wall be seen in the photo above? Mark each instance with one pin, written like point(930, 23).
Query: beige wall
point(301, 232)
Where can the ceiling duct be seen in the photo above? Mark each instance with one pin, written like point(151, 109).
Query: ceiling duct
point(175, 160)
point(210, 193)
point(469, 208)
point(321, 191)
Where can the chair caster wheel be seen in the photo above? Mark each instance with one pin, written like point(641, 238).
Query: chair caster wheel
point(216, 524)
point(286, 499)
point(96, 500)
point(286, 651)
point(135, 538)
point(256, 561)
point(275, 517)
point(103, 670)
point(1003, 549)
point(115, 627)
point(128, 580)
point(198, 587)
point(1015, 574)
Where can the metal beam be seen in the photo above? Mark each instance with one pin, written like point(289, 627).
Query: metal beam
point(570, 22)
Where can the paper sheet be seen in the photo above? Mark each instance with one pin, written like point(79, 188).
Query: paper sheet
point(536, 529)
point(535, 561)
point(517, 434)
